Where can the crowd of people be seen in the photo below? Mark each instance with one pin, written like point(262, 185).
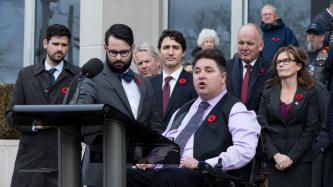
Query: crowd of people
point(264, 116)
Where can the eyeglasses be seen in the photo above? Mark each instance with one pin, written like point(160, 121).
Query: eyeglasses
point(123, 53)
point(285, 61)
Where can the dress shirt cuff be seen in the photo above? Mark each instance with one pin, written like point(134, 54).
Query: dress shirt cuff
point(34, 129)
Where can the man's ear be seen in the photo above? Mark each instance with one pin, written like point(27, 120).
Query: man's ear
point(45, 43)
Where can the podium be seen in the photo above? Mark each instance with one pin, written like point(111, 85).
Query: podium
point(121, 137)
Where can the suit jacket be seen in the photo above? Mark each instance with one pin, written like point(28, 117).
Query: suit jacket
point(295, 135)
point(106, 88)
point(259, 74)
point(37, 149)
point(182, 93)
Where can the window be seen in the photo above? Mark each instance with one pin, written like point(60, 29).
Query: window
point(295, 14)
point(66, 12)
point(11, 40)
point(190, 17)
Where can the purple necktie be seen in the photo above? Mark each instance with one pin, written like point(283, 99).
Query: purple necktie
point(191, 127)
point(166, 93)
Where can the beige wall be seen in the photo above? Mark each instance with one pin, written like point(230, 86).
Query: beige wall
point(145, 17)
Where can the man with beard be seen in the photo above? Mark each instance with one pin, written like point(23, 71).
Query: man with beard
point(41, 84)
point(276, 33)
point(320, 67)
point(118, 86)
point(320, 55)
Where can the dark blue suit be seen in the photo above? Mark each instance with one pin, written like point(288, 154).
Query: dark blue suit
point(181, 94)
point(259, 74)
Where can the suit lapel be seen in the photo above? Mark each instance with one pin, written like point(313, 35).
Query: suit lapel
point(176, 91)
point(142, 89)
point(297, 103)
point(43, 80)
point(257, 76)
point(157, 83)
point(275, 101)
point(115, 82)
point(237, 77)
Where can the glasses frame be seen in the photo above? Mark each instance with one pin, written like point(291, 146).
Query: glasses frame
point(122, 53)
point(285, 61)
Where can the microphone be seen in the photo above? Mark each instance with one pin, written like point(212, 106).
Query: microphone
point(93, 67)
point(90, 69)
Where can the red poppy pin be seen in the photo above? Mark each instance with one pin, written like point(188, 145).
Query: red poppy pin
point(261, 71)
point(138, 80)
point(276, 39)
point(211, 118)
point(64, 90)
point(299, 96)
point(325, 49)
point(182, 81)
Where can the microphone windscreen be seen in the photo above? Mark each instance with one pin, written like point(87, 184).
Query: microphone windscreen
point(93, 67)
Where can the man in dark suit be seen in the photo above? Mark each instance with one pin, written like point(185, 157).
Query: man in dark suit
point(118, 86)
point(43, 83)
point(248, 72)
point(247, 75)
point(174, 86)
point(206, 129)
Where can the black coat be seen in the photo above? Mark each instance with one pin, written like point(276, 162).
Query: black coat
point(182, 93)
point(292, 137)
point(37, 149)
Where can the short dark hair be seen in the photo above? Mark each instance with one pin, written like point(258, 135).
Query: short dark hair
point(57, 30)
point(175, 35)
point(213, 54)
point(120, 31)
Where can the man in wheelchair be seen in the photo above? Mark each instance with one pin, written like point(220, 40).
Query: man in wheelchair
point(215, 129)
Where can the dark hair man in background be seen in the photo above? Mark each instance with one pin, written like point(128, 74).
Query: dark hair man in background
point(40, 84)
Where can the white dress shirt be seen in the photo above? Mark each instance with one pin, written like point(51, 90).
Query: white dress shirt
point(133, 95)
point(59, 68)
point(173, 81)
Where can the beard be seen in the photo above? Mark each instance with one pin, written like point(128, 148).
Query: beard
point(55, 59)
point(311, 47)
point(119, 66)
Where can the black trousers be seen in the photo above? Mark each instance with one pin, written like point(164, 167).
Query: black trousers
point(168, 177)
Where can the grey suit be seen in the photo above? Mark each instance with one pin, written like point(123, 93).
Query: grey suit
point(106, 88)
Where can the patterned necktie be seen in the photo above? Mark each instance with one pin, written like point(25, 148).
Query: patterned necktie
point(245, 84)
point(166, 93)
point(128, 76)
point(191, 127)
point(51, 73)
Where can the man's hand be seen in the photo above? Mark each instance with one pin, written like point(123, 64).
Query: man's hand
point(189, 162)
point(144, 166)
point(282, 161)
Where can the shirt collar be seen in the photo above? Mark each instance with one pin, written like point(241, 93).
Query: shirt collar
point(59, 67)
point(175, 75)
point(251, 63)
point(212, 102)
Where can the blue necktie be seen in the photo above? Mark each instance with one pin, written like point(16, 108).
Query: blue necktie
point(51, 73)
point(191, 127)
point(128, 76)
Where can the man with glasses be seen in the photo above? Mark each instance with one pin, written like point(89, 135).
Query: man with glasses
point(120, 87)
